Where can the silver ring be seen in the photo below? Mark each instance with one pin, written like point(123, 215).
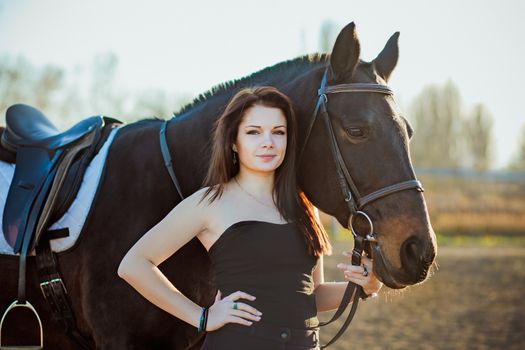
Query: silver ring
point(365, 272)
point(362, 213)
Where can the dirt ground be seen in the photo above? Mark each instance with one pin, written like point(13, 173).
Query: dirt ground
point(474, 301)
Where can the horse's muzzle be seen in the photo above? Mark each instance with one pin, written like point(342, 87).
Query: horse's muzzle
point(416, 259)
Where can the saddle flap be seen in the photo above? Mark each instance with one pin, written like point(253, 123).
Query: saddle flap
point(62, 171)
point(33, 167)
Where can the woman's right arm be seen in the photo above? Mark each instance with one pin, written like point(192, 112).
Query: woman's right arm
point(139, 267)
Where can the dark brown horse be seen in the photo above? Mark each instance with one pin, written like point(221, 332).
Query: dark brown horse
point(136, 192)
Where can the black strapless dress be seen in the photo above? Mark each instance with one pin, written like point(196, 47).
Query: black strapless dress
point(271, 262)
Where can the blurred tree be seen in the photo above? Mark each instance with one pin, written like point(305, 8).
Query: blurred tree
point(156, 103)
point(518, 163)
point(66, 98)
point(437, 116)
point(478, 138)
point(103, 97)
point(327, 35)
point(21, 82)
point(47, 86)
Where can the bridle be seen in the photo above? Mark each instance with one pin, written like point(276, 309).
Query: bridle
point(355, 201)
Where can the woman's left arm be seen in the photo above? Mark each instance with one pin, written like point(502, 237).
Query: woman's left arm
point(328, 295)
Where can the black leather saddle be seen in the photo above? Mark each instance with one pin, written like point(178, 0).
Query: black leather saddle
point(28, 127)
point(48, 173)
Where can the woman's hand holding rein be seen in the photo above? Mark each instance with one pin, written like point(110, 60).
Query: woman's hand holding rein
point(362, 275)
point(228, 310)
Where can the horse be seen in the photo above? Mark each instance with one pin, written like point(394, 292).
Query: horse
point(136, 191)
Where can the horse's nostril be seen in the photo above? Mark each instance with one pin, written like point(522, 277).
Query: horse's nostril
point(411, 256)
point(410, 250)
point(415, 259)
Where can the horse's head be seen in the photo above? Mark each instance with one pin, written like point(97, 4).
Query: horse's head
point(373, 139)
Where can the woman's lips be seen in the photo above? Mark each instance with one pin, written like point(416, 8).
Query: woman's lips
point(267, 158)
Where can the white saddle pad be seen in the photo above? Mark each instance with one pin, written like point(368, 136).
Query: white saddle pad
point(76, 215)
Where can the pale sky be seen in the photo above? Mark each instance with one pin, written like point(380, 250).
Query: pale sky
point(187, 47)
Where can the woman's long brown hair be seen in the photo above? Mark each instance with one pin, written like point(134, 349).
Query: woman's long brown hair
point(292, 205)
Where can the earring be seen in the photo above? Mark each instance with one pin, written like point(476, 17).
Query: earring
point(234, 158)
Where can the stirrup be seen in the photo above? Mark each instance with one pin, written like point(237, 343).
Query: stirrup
point(28, 305)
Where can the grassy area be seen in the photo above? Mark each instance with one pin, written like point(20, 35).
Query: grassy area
point(460, 205)
point(481, 240)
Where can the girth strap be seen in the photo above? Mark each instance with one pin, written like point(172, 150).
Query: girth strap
point(55, 292)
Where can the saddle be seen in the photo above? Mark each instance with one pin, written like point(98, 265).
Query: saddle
point(49, 169)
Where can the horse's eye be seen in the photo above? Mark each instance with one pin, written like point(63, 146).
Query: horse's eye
point(355, 132)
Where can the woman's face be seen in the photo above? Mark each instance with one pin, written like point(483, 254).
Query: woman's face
point(261, 139)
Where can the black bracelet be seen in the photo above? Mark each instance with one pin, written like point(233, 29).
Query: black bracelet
point(205, 319)
point(201, 321)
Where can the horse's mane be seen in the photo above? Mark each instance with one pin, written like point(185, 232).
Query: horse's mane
point(284, 71)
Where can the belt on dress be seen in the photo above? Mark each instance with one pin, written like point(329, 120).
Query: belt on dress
point(304, 337)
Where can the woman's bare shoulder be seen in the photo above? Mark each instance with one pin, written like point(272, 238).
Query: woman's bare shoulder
point(203, 199)
point(206, 201)
point(217, 202)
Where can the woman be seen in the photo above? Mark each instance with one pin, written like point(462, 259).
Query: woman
point(264, 241)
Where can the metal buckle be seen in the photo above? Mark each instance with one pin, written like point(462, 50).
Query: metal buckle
point(54, 280)
point(371, 237)
point(348, 197)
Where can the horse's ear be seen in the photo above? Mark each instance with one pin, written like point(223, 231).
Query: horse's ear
point(386, 61)
point(345, 54)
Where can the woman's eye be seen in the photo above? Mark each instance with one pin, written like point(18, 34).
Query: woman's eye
point(256, 132)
